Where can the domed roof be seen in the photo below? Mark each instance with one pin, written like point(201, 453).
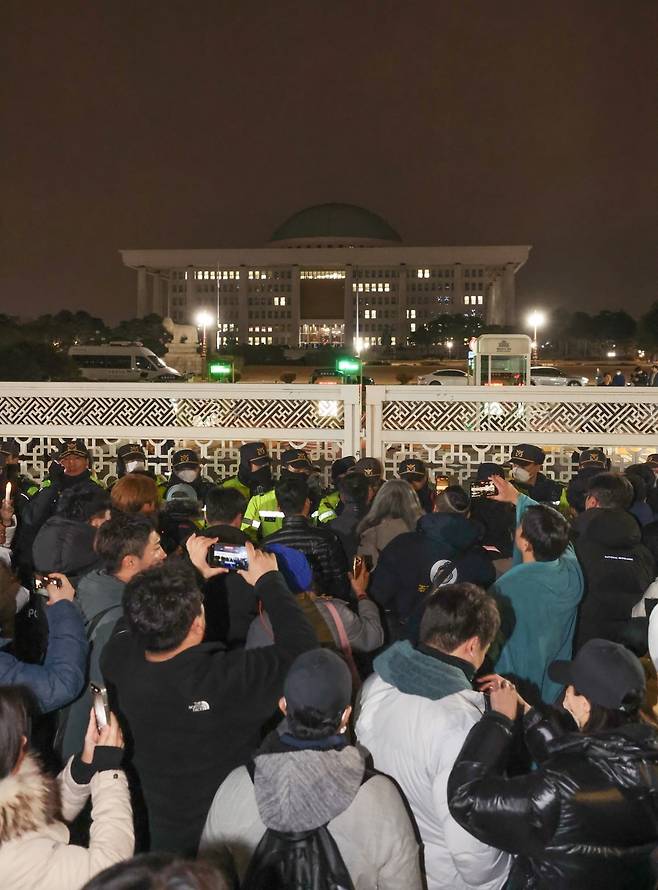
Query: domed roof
point(335, 222)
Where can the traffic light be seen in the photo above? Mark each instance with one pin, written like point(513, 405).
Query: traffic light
point(220, 370)
point(349, 365)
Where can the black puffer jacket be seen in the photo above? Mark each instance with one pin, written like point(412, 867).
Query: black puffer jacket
point(617, 567)
point(323, 551)
point(587, 818)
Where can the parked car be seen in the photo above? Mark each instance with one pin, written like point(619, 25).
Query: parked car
point(122, 361)
point(544, 375)
point(331, 375)
point(445, 377)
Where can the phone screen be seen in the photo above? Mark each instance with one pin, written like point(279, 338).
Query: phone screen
point(482, 489)
point(441, 483)
point(228, 556)
point(101, 707)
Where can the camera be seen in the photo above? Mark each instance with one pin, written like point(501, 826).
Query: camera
point(228, 556)
point(41, 584)
point(482, 489)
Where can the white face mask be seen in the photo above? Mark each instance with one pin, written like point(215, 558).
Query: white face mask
point(132, 466)
point(187, 475)
point(520, 474)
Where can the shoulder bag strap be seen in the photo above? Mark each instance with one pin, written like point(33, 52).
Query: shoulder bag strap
point(344, 642)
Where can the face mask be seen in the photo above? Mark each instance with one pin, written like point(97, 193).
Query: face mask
point(260, 480)
point(134, 466)
point(520, 474)
point(188, 476)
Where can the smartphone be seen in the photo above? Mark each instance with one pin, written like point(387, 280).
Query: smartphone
point(228, 556)
point(441, 483)
point(41, 584)
point(482, 489)
point(101, 706)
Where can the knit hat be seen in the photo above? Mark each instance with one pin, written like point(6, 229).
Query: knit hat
point(293, 565)
point(318, 679)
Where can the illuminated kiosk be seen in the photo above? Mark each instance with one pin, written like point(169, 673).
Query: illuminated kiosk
point(502, 360)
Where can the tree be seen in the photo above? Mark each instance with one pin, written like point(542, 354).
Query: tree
point(648, 329)
point(28, 360)
point(148, 330)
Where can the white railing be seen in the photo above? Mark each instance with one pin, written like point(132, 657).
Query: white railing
point(216, 418)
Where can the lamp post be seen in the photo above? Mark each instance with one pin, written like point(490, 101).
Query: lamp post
point(449, 345)
point(204, 320)
point(536, 320)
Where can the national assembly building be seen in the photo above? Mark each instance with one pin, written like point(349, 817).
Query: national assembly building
point(330, 274)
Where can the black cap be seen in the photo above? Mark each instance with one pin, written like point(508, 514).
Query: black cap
point(413, 470)
point(369, 466)
point(527, 454)
point(298, 459)
point(73, 446)
point(593, 457)
point(318, 679)
point(487, 470)
point(605, 673)
point(341, 466)
point(254, 452)
point(653, 460)
point(133, 449)
point(185, 458)
point(10, 447)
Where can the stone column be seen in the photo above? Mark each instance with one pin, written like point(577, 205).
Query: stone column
point(189, 295)
point(142, 293)
point(458, 289)
point(509, 295)
point(295, 307)
point(402, 325)
point(348, 307)
point(243, 306)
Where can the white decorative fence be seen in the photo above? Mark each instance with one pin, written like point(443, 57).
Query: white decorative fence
point(456, 428)
point(215, 418)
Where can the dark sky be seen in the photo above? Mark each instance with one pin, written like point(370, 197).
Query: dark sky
point(199, 123)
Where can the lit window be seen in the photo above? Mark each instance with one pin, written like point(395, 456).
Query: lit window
point(412, 327)
point(411, 313)
point(387, 287)
point(251, 275)
point(480, 300)
point(283, 301)
point(420, 273)
point(392, 341)
point(467, 301)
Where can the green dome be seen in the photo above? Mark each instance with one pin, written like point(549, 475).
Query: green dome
point(335, 221)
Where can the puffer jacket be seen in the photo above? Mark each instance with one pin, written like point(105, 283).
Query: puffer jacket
point(586, 818)
point(34, 842)
point(297, 789)
point(64, 545)
point(617, 568)
point(323, 551)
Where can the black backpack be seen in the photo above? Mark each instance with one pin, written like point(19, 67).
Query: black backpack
point(297, 860)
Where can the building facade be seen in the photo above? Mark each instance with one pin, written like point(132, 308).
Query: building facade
point(331, 274)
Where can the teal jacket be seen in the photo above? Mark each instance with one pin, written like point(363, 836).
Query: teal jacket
point(538, 602)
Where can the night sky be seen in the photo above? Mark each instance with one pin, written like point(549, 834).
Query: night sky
point(136, 124)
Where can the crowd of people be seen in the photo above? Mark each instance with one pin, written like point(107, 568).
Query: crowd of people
point(385, 685)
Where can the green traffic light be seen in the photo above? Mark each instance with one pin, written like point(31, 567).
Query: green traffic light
point(220, 369)
point(349, 365)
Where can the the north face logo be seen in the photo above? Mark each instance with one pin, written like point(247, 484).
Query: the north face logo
point(198, 706)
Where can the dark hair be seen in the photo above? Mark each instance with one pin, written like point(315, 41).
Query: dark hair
point(83, 506)
point(160, 871)
point(453, 500)
point(14, 724)
point(354, 487)
point(457, 612)
point(122, 535)
point(291, 494)
point(546, 530)
point(645, 473)
point(133, 491)
point(310, 724)
point(224, 504)
point(161, 603)
point(639, 488)
point(612, 491)
point(601, 718)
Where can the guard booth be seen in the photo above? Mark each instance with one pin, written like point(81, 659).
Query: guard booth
point(501, 360)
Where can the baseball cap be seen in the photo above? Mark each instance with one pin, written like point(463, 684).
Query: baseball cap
point(369, 466)
point(181, 492)
point(299, 459)
point(73, 446)
point(318, 679)
point(412, 470)
point(487, 470)
point(527, 454)
point(293, 565)
point(341, 466)
point(10, 447)
point(133, 449)
point(592, 457)
point(604, 672)
point(185, 458)
point(255, 452)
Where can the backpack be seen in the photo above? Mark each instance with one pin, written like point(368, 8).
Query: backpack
point(297, 860)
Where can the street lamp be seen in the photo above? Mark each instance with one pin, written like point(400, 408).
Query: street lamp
point(204, 319)
point(449, 345)
point(536, 319)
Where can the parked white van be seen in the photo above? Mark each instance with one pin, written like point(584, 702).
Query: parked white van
point(122, 361)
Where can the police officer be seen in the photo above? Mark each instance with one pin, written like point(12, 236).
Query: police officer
point(526, 463)
point(330, 504)
point(254, 471)
point(415, 473)
point(131, 458)
point(186, 468)
point(591, 461)
point(262, 516)
point(372, 469)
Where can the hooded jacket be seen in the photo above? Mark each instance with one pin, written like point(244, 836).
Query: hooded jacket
point(586, 818)
point(300, 789)
point(617, 567)
point(408, 565)
point(34, 842)
point(67, 546)
point(414, 714)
